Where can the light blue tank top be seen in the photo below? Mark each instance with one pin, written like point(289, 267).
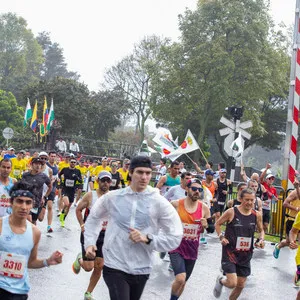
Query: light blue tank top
point(21, 244)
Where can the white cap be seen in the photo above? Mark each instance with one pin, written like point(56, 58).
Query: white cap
point(43, 153)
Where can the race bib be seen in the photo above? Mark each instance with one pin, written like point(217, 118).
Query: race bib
point(113, 182)
point(12, 265)
point(17, 172)
point(190, 231)
point(243, 243)
point(69, 183)
point(266, 204)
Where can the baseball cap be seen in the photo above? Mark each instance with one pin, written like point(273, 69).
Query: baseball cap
point(223, 171)
point(22, 151)
point(193, 180)
point(36, 160)
point(209, 172)
point(104, 158)
point(269, 176)
point(104, 174)
point(11, 149)
point(43, 153)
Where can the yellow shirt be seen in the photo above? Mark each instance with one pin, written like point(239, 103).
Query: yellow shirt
point(97, 170)
point(83, 170)
point(297, 222)
point(62, 165)
point(18, 167)
point(124, 175)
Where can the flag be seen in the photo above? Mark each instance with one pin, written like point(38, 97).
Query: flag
point(237, 147)
point(43, 127)
point(164, 140)
point(51, 116)
point(28, 113)
point(34, 120)
point(188, 145)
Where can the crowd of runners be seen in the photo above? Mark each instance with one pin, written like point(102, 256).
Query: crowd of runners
point(125, 217)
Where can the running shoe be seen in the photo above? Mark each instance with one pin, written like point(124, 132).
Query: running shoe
point(62, 220)
point(49, 229)
point(297, 280)
point(58, 214)
point(218, 286)
point(276, 251)
point(203, 241)
point(76, 265)
point(88, 296)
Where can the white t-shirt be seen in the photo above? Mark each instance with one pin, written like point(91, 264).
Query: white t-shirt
point(175, 192)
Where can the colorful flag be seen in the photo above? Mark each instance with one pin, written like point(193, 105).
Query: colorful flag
point(51, 116)
point(237, 147)
point(43, 127)
point(34, 120)
point(164, 140)
point(188, 145)
point(28, 113)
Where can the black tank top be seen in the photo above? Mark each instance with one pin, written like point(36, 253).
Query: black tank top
point(222, 186)
point(241, 226)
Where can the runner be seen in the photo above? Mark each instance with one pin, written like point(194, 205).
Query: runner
point(124, 172)
point(83, 170)
point(104, 180)
point(51, 198)
point(6, 184)
point(72, 178)
point(19, 242)
point(18, 165)
point(146, 222)
point(237, 243)
point(179, 191)
point(292, 205)
point(209, 183)
point(170, 179)
point(224, 188)
point(236, 202)
point(36, 178)
point(116, 177)
point(195, 217)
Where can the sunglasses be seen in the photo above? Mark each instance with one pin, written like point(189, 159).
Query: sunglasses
point(194, 189)
point(271, 178)
point(44, 158)
point(72, 162)
point(114, 165)
point(106, 179)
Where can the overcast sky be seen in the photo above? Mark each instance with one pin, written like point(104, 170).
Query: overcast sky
point(96, 34)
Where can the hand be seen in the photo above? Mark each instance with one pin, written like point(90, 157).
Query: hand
point(261, 244)
point(204, 223)
point(268, 166)
point(293, 245)
point(224, 241)
point(55, 258)
point(224, 192)
point(137, 237)
point(91, 252)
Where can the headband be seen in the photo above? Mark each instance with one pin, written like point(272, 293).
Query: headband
point(22, 193)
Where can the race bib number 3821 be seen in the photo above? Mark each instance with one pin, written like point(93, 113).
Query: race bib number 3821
point(12, 265)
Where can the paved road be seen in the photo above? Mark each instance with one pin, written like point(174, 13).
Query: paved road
point(270, 278)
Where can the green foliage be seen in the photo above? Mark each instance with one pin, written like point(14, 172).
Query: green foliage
point(20, 54)
point(226, 58)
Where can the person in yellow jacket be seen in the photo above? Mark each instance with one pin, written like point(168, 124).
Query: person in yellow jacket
point(103, 167)
point(19, 165)
point(124, 172)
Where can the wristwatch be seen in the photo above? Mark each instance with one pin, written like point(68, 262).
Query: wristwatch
point(150, 238)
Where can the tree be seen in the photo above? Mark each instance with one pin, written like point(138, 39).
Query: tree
point(226, 58)
point(54, 62)
point(20, 54)
point(133, 76)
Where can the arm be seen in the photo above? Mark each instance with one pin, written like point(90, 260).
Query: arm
point(161, 182)
point(36, 263)
point(229, 183)
point(197, 168)
point(243, 173)
point(175, 203)
point(49, 184)
point(206, 221)
point(291, 197)
point(84, 203)
point(260, 229)
point(263, 174)
point(226, 217)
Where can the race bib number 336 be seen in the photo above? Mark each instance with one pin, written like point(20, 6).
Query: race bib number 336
point(12, 265)
point(243, 243)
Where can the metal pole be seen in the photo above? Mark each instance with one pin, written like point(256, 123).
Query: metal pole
point(233, 161)
point(290, 149)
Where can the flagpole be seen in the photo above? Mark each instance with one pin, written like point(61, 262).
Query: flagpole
point(189, 158)
point(203, 155)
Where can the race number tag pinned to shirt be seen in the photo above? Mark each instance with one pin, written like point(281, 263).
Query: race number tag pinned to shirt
point(69, 183)
point(113, 182)
point(243, 243)
point(190, 231)
point(17, 172)
point(12, 265)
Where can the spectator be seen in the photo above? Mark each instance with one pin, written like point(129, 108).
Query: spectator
point(74, 148)
point(61, 145)
point(10, 153)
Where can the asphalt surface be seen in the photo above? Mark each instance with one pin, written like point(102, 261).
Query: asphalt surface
point(270, 279)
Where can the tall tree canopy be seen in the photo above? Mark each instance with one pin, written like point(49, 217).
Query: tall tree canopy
point(226, 57)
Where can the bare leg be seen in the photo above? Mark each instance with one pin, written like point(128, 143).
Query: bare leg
point(178, 284)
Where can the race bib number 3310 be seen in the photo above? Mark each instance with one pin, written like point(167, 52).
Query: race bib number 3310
point(12, 265)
